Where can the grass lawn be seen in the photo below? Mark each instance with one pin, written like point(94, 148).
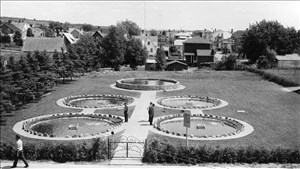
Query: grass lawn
point(289, 74)
point(273, 113)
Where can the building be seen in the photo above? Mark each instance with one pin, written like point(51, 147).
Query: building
point(179, 38)
point(37, 32)
point(150, 64)
point(10, 28)
point(176, 66)
point(162, 40)
point(150, 42)
point(288, 61)
point(99, 35)
point(198, 51)
point(58, 31)
point(69, 38)
point(237, 40)
point(50, 45)
point(23, 26)
point(77, 33)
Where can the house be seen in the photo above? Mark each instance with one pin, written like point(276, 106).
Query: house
point(218, 36)
point(226, 45)
point(10, 28)
point(69, 38)
point(237, 40)
point(150, 64)
point(180, 38)
point(23, 27)
point(77, 33)
point(207, 34)
point(288, 61)
point(198, 51)
point(59, 30)
point(37, 32)
point(150, 42)
point(162, 39)
point(48, 44)
point(99, 35)
point(176, 66)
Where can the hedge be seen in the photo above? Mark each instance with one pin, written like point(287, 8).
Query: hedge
point(166, 153)
point(95, 151)
point(268, 76)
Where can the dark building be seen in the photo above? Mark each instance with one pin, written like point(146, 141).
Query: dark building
point(198, 51)
point(176, 66)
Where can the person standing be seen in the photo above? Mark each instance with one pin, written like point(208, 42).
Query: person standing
point(19, 154)
point(149, 109)
point(151, 113)
point(126, 112)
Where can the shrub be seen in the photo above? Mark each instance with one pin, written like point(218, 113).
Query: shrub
point(226, 63)
point(165, 153)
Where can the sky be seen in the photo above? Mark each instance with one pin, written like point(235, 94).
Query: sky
point(186, 15)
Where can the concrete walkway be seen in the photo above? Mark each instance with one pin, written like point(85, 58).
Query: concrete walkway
point(136, 130)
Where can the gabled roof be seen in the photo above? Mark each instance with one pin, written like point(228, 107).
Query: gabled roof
point(206, 52)
point(75, 29)
point(238, 34)
point(11, 26)
point(70, 37)
point(49, 44)
point(36, 29)
point(175, 61)
point(289, 57)
point(22, 25)
point(197, 40)
point(100, 33)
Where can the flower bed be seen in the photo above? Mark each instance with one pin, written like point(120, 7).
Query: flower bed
point(26, 125)
point(214, 102)
point(239, 127)
point(122, 84)
point(69, 101)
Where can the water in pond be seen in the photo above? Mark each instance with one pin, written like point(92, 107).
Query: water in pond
point(97, 102)
point(60, 127)
point(185, 102)
point(211, 127)
point(148, 82)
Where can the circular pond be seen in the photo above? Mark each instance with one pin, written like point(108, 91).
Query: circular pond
point(147, 84)
point(96, 101)
point(190, 102)
point(71, 125)
point(202, 126)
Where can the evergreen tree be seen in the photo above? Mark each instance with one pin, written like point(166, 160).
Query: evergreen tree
point(18, 38)
point(160, 59)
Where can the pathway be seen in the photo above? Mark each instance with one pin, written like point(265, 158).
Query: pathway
point(136, 129)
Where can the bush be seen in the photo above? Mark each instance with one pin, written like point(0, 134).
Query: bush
point(61, 153)
point(165, 153)
point(226, 63)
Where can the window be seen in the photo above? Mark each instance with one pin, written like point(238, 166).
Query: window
point(148, 43)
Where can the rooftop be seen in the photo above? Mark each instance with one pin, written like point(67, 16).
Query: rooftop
point(49, 44)
point(198, 39)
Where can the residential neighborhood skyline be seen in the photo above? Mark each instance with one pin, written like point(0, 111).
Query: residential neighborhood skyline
point(191, 15)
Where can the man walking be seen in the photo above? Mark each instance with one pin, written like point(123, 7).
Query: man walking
point(126, 112)
point(19, 153)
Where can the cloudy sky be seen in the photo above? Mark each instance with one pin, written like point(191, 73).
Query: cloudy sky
point(192, 15)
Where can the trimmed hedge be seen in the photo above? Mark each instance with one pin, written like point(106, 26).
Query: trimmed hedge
point(95, 151)
point(268, 76)
point(166, 153)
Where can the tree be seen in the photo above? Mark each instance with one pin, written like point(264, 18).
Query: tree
point(160, 59)
point(197, 33)
point(132, 28)
point(29, 33)
point(174, 50)
point(53, 25)
point(135, 53)
point(114, 44)
point(87, 27)
point(268, 34)
point(153, 32)
point(18, 38)
point(4, 38)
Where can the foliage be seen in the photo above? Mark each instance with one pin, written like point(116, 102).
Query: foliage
point(135, 53)
point(174, 50)
point(165, 153)
point(153, 32)
point(132, 29)
point(114, 45)
point(226, 63)
point(267, 60)
point(269, 34)
point(197, 33)
point(87, 27)
point(94, 151)
point(4, 38)
point(160, 59)
point(18, 38)
point(29, 33)
point(53, 25)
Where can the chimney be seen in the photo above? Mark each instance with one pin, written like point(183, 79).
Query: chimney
point(231, 30)
point(101, 30)
point(215, 29)
point(142, 31)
